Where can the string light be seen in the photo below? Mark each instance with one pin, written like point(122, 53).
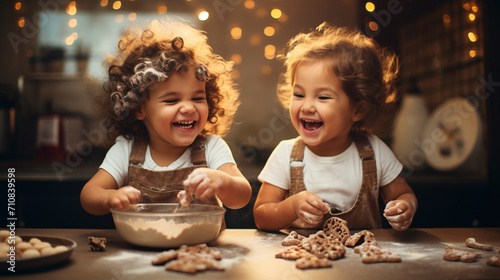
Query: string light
point(132, 16)
point(235, 74)
point(265, 69)
point(71, 38)
point(203, 15)
point(104, 3)
point(236, 58)
point(373, 26)
point(117, 5)
point(71, 9)
point(72, 22)
point(269, 51)
point(370, 7)
point(17, 6)
point(269, 31)
point(472, 36)
point(472, 53)
point(472, 17)
point(236, 33)
point(162, 9)
point(249, 4)
point(276, 13)
point(21, 22)
point(446, 20)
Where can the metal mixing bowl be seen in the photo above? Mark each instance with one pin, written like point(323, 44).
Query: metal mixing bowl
point(158, 225)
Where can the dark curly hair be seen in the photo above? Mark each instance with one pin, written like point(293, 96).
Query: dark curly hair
point(368, 72)
point(149, 57)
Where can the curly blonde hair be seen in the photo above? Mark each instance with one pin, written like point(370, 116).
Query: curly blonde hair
point(368, 72)
point(149, 57)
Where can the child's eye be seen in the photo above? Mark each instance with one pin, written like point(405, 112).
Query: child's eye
point(324, 97)
point(201, 98)
point(171, 101)
point(298, 95)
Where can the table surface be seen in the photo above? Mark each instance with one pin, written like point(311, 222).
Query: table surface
point(250, 254)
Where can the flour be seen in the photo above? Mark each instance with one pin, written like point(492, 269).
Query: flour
point(163, 233)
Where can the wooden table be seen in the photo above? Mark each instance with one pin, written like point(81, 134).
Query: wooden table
point(249, 254)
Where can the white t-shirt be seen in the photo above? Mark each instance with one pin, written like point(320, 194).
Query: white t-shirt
point(336, 179)
point(217, 153)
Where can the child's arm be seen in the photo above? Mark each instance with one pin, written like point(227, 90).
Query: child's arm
point(274, 211)
point(226, 182)
point(101, 193)
point(401, 203)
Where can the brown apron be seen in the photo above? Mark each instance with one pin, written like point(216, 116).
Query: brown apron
point(365, 212)
point(163, 186)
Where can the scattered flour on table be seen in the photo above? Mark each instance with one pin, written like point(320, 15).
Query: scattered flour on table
point(139, 262)
point(410, 251)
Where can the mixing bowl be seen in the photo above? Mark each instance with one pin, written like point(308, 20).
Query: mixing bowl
point(159, 225)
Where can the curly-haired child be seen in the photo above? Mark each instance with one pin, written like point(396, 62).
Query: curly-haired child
point(336, 86)
point(169, 100)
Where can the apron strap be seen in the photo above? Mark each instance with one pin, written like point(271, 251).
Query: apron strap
point(198, 151)
point(138, 153)
point(297, 167)
point(367, 156)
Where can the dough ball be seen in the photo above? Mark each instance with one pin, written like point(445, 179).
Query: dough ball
point(48, 251)
point(3, 253)
point(34, 241)
point(4, 234)
point(18, 240)
point(42, 245)
point(31, 253)
point(61, 248)
point(23, 246)
point(4, 247)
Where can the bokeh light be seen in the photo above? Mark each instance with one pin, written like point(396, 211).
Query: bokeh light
point(236, 33)
point(203, 15)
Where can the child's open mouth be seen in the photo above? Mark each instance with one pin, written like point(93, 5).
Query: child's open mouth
point(311, 125)
point(185, 125)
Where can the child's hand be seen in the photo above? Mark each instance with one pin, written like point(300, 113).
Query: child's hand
point(309, 208)
point(203, 183)
point(122, 198)
point(399, 214)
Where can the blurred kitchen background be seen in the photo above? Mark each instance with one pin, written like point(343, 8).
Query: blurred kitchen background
point(445, 131)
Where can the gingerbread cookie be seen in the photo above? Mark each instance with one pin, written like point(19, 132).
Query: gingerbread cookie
point(292, 253)
point(337, 228)
point(293, 239)
point(472, 243)
point(324, 246)
point(312, 261)
point(372, 254)
point(201, 248)
point(361, 237)
point(454, 254)
point(165, 257)
point(190, 259)
point(97, 243)
point(493, 261)
point(193, 263)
